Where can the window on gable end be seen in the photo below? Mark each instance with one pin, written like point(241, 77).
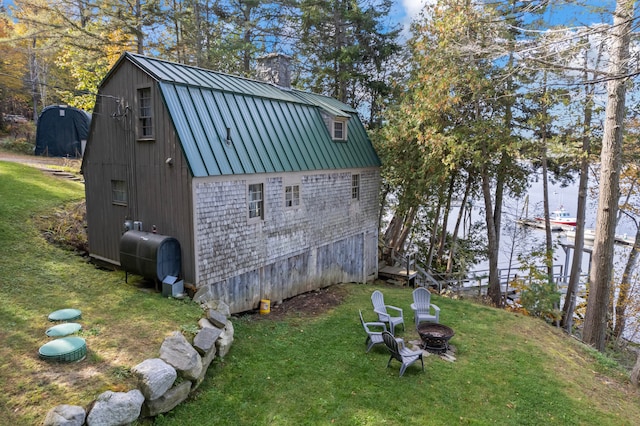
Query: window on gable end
point(145, 113)
point(337, 126)
point(339, 130)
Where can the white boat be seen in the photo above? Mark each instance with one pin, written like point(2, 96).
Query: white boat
point(560, 217)
point(589, 235)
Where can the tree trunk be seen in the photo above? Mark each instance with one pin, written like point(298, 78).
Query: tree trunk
point(396, 234)
point(493, 291)
point(595, 322)
point(635, 372)
point(408, 223)
point(434, 232)
point(576, 261)
point(138, 29)
point(445, 219)
point(548, 255)
point(390, 236)
point(383, 206)
point(247, 38)
point(454, 237)
point(33, 70)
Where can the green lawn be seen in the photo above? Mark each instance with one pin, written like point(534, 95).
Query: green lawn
point(510, 370)
point(301, 370)
point(123, 324)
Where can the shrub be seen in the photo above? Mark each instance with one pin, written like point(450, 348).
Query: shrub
point(539, 296)
point(18, 145)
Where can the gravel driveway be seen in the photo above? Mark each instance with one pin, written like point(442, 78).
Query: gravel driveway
point(38, 161)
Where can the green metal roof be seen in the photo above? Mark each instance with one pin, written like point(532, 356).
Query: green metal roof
point(331, 105)
point(271, 129)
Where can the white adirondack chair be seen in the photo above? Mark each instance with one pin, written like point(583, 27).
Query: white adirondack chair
point(384, 312)
point(373, 337)
point(423, 309)
point(399, 351)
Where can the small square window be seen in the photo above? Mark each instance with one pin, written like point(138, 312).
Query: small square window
point(256, 201)
point(292, 196)
point(119, 192)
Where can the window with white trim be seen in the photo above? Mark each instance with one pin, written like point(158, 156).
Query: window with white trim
point(336, 126)
point(355, 187)
point(339, 130)
point(291, 196)
point(256, 201)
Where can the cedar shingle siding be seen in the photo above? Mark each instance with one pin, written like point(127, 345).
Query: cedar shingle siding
point(191, 183)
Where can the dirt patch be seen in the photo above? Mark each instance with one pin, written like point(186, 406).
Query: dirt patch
point(307, 304)
point(66, 227)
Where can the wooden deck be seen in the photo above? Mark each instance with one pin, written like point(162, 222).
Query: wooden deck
point(397, 273)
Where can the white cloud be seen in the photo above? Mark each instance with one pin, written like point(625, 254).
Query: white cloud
point(413, 7)
point(410, 10)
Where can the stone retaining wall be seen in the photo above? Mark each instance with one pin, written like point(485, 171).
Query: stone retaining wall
point(163, 382)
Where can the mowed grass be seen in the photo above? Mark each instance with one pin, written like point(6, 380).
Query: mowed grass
point(301, 370)
point(123, 324)
point(509, 370)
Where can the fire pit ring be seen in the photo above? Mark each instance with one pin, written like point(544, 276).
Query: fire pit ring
point(435, 337)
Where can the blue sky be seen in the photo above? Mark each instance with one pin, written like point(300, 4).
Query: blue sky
point(557, 14)
point(405, 10)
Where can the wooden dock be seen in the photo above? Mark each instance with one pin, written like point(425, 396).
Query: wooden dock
point(532, 223)
point(625, 240)
point(590, 234)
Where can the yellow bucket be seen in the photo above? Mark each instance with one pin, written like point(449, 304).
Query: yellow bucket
point(265, 306)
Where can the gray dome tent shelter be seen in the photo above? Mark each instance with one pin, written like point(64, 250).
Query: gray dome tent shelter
point(61, 131)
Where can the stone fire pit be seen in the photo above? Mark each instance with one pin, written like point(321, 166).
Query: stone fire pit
point(435, 337)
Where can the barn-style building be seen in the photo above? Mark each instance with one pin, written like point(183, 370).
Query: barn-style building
point(270, 191)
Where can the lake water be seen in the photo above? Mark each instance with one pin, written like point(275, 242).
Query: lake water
point(521, 240)
point(516, 239)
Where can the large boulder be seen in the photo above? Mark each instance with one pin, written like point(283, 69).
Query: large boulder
point(155, 377)
point(65, 415)
point(205, 340)
point(205, 323)
point(204, 294)
point(216, 318)
point(223, 344)
point(218, 305)
point(168, 401)
point(205, 344)
point(116, 408)
point(178, 352)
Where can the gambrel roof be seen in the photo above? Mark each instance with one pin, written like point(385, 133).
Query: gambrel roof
point(271, 129)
